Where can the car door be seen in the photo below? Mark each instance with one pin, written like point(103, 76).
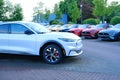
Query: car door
point(20, 42)
point(4, 32)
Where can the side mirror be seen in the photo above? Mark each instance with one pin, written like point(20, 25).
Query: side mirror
point(28, 32)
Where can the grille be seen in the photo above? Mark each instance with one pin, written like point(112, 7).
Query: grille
point(85, 32)
point(103, 34)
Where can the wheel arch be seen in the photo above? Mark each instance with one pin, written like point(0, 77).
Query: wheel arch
point(51, 42)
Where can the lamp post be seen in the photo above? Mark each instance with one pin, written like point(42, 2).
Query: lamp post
point(81, 13)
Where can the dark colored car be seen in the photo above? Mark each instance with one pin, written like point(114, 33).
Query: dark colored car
point(69, 27)
point(110, 34)
point(80, 28)
point(93, 32)
point(64, 28)
point(55, 28)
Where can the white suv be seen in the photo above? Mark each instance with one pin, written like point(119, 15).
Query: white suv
point(34, 39)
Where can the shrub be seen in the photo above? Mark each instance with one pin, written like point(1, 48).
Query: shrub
point(70, 22)
point(91, 21)
point(115, 20)
point(54, 22)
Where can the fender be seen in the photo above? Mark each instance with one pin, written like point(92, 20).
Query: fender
point(51, 42)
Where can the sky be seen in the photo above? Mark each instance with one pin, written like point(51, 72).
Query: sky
point(28, 6)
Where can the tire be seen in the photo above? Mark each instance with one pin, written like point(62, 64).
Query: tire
point(118, 37)
point(52, 54)
point(96, 36)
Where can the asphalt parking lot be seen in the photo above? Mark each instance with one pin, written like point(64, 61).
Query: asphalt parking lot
point(100, 61)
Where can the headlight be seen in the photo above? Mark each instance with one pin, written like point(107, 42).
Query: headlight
point(67, 39)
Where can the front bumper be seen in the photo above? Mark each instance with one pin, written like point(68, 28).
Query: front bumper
point(73, 48)
point(88, 35)
point(75, 52)
point(106, 37)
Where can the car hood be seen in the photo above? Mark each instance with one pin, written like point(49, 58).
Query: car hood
point(61, 35)
point(110, 30)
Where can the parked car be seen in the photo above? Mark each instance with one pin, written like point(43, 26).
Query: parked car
point(51, 27)
point(63, 28)
point(112, 33)
point(56, 28)
point(71, 26)
point(80, 28)
point(93, 32)
point(30, 38)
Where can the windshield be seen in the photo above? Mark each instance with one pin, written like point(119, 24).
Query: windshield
point(64, 27)
point(37, 27)
point(100, 26)
point(73, 26)
point(83, 26)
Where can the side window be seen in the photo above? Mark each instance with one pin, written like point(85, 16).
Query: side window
point(4, 28)
point(18, 29)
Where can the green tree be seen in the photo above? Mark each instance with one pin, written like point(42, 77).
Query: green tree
point(38, 12)
point(70, 8)
point(66, 7)
point(47, 14)
point(10, 12)
point(8, 9)
point(17, 14)
point(87, 1)
point(87, 8)
point(100, 9)
point(57, 11)
point(74, 13)
point(114, 8)
point(63, 6)
point(1, 10)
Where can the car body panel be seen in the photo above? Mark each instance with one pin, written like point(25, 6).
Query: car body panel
point(3, 42)
point(20, 43)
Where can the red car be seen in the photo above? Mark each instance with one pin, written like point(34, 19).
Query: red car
point(93, 32)
point(80, 28)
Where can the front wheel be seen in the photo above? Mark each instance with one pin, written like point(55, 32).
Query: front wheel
point(52, 54)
